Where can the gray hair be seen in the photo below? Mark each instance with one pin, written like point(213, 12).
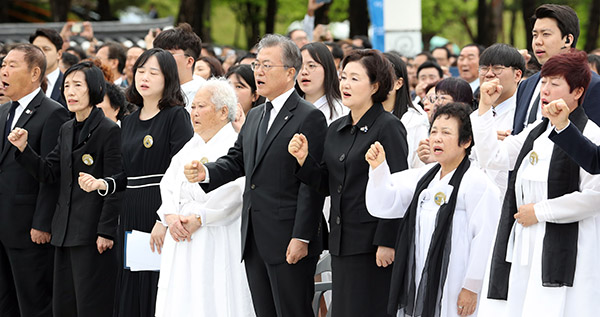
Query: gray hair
point(291, 56)
point(222, 94)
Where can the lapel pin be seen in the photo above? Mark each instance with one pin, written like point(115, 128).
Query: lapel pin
point(364, 129)
point(286, 117)
point(27, 111)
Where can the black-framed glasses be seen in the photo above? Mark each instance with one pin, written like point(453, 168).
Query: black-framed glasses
point(267, 67)
point(496, 69)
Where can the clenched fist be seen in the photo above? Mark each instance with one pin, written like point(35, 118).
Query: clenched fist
point(558, 113)
point(298, 147)
point(375, 155)
point(489, 92)
point(194, 172)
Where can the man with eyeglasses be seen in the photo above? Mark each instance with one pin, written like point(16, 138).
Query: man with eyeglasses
point(501, 67)
point(185, 46)
point(281, 217)
point(428, 73)
point(555, 31)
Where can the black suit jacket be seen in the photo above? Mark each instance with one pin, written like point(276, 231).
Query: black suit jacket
point(281, 206)
point(579, 148)
point(526, 89)
point(80, 216)
point(24, 203)
point(56, 93)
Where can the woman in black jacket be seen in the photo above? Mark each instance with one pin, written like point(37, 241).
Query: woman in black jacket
point(84, 225)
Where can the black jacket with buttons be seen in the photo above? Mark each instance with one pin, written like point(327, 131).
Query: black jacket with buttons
point(80, 217)
point(343, 173)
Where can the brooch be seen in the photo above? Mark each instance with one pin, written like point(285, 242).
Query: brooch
point(148, 141)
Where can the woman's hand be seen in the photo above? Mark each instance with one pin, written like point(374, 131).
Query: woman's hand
point(191, 224)
point(526, 215)
point(104, 244)
point(240, 118)
point(467, 302)
point(375, 155)
point(157, 236)
point(178, 232)
point(558, 113)
point(89, 183)
point(384, 256)
point(18, 138)
point(298, 148)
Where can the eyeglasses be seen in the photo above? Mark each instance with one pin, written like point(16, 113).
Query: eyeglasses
point(310, 67)
point(440, 98)
point(496, 69)
point(266, 67)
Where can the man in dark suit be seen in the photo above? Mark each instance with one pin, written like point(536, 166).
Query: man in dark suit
point(281, 233)
point(50, 42)
point(555, 31)
point(26, 207)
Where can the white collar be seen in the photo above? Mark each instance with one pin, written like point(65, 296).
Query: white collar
point(53, 76)
point(506, 105)
point(24, 102)
point(280, 100)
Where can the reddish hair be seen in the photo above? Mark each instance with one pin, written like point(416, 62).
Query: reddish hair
point(573, 66)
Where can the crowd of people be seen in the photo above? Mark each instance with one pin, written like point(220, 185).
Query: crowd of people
point(438, 185)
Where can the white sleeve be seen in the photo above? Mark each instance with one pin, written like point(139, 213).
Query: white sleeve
point(169, 190)
point(572, 207)
point(223, 205)
point(492, 153)
point(483, 210)
point(389, 195)
point(308, 25)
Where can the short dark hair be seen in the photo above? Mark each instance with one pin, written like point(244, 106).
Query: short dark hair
point(378, 68)
point(243, 57)
point(443, 48)
point(594, 60)
point(331, 83)
point(52, 35)
point(365, 39)
point(566, 19)
point(460, 112)
point(429, 64)
point(216, 70)
point(336, 50)
point(172, 95)
point(116, 51)
point(116, 99)
point(244, 71)
point(428, 55)
point(34, 57)
point(458, 88)
point(403, 99)
point(77, 51)
point(573, 66)
point(502, 54)
point(69, 59)
point(480, 48)
point(94, 79)
point(180, 38)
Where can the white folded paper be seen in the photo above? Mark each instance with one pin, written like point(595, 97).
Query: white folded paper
point(138, 255)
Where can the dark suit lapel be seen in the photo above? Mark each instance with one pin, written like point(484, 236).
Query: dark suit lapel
point(252, 127)
point(66, 145)
point(89, 126)
point(30, 110)
point(3, 117)
point(56, 89)
point(283, 117)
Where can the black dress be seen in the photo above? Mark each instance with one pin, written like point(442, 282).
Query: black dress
point(147, 149)
point(360, 287)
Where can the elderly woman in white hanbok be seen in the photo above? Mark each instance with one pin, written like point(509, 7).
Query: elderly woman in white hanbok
point(546, 254)
point(201, 271)
point(449, 209)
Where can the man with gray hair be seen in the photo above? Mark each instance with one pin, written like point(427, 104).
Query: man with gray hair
point(281, 217)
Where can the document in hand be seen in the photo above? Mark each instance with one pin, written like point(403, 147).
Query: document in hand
point(138, 255)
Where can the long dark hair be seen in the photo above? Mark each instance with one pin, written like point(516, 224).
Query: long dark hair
point(331, 83)
point(403, 100)
point(244, 71)
point(172, 95)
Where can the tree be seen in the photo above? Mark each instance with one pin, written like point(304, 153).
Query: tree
point(59, 9)
point(593, 24)
point(359, 18)
point(197, 14)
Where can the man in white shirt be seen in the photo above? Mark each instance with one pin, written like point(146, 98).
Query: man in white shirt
point(501, 68)
point(113, 55)
point(50, 42)
point(185, 45)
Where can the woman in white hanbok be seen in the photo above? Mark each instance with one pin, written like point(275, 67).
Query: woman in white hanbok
point(546, 254)
point(201, 270)
point(449, 209)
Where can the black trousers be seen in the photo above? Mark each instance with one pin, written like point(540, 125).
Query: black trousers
point(281, 290)
point(26, 280)
point(84, 281)
point(360, 287)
